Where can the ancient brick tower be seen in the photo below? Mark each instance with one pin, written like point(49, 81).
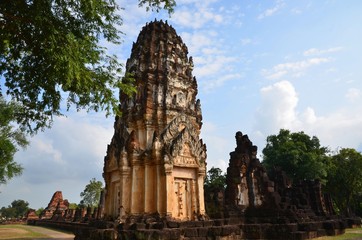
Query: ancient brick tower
point(156, 161)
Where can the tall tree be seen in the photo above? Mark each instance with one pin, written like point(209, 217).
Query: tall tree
point(215, 179)
point(345, 180)
point(92, 193)
point(299, 155)
point(11, 139)
point(18, 208)
point(214, 187)
point(51, 50)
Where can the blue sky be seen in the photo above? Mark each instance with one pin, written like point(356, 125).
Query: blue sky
point(260, 66)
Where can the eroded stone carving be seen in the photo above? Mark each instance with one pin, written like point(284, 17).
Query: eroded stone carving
point(156, 162)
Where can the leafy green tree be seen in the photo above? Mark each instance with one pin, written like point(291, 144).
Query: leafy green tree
point(214, 187)
point(18, 208)
point(299, 155)
point(73, 205)
point(51, 50)
point(11, 139)
point(39, 211)
point(345, 180)
point(92, 193)
point(8, 212)
point(215, 179)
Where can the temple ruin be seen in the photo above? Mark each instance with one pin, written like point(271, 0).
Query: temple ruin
point(56, 204)
point(155, 162)
point(155, 167)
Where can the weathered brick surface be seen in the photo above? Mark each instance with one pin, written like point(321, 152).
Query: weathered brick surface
point(191, 232)
point(215, 231)
point(202, 232)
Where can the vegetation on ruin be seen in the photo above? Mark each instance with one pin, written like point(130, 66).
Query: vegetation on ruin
point(92, 192)
point(11, 139)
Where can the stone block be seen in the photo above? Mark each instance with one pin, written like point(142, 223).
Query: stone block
point(198, 223)
point(155, 225)
point(219, 222)
point(150, 234)
point(137, 226)
point(329, 225)
point(202, 232)
point(300, 235)
point(214, 231)
point(100, 224)
point(309, 226)
point(185, 224)
point(312, 234)
point(252, 231)
point(229, 230)
point(126, 235)
point(232, 221)
point(173, 224)
point(191, 232)
point(174, 234)
point(208, 223)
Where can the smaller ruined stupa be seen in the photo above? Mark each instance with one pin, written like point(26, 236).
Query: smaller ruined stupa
point(57, 203)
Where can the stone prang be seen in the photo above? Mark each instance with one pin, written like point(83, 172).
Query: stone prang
point(156, 162)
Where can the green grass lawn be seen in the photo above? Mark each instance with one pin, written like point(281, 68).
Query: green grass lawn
point(351, 234)
point(18, 231)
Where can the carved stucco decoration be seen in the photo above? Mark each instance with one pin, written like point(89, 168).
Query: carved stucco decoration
point(183, 144)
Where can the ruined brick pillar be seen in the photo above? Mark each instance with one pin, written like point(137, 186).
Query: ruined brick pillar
point(155, 162)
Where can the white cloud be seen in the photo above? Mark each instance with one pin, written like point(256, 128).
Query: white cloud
point(271, 11)
point(309, 116)
point(295, 69)
point(318, 52)
point(212, 64)
point(47, 148)
point(64, 150)
point(353, 94)
point(196, 18)
point(198, 41)
point(203, 3)
point(63, 158)
point(211, 59)
point(296, 11)
point(246, 41)
point(216, 145)
point(341, 128)
point(211, 84)
point(277, 110)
